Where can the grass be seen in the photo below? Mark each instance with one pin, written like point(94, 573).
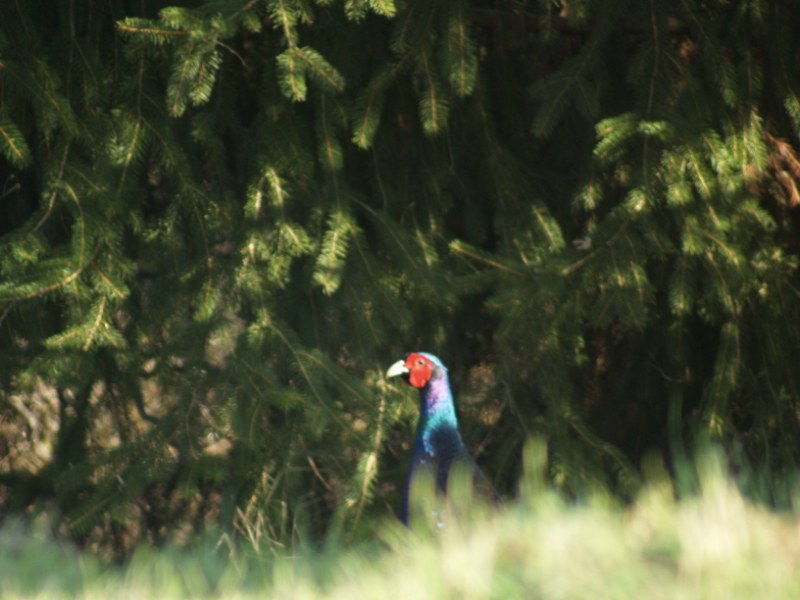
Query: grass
point(713, 544)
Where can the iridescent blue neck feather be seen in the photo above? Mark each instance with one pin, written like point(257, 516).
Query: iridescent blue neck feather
point(436, 410)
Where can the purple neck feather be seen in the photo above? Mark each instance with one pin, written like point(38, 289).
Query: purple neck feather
point(436, 396)
point(436, 409)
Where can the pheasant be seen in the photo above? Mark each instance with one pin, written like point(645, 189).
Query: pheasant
point(437, 443)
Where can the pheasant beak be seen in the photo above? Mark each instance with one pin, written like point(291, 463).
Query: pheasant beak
point(398, 368)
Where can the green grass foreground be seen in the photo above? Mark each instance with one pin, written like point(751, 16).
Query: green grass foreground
point(714, 544)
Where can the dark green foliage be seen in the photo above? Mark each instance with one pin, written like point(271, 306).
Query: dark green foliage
point(222, 220)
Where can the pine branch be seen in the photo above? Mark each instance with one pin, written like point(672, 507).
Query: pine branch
point(292, 78)
point(193, 77)
point(156, 35)
point(332, 257)
point(94, 331)
point(717, 62)
point(285, 16)
point(369, 104)
point(385, 8)
point(475, 254)
point(13, 144)
point(460, 56)
point(320, 69)
point(434, 107)
point(572, 82)
point(330, 150)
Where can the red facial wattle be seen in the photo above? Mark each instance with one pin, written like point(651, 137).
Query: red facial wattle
point(420, 370)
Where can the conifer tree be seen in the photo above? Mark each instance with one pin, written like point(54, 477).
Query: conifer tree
point(222, 220)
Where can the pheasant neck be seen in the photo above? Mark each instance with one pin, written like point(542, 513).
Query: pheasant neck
point(436, 410)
